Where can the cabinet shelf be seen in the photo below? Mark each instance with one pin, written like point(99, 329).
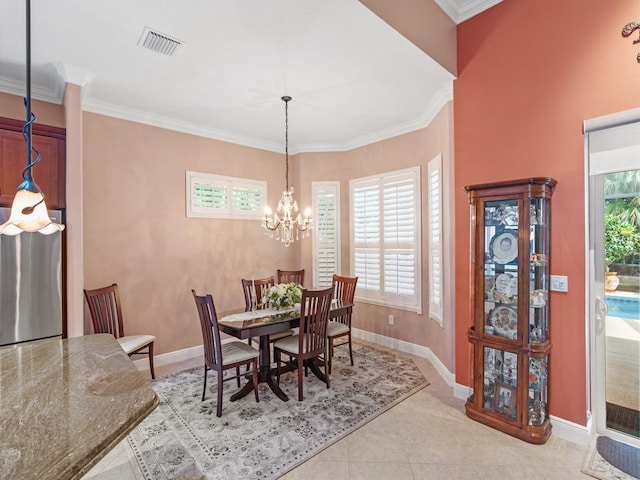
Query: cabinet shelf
point(510, 334)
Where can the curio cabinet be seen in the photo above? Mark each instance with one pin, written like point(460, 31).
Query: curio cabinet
point(510, 232)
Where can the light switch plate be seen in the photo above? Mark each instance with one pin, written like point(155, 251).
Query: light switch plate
point(559, 283)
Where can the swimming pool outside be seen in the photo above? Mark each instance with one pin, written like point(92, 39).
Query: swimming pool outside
point(623, 306)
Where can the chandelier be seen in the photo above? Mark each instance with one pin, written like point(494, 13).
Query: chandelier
point(286, 220)
point(29, 211)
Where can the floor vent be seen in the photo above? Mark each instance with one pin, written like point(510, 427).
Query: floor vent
point(159, 42)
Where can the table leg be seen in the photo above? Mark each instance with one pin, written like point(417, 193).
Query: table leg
point(264, 374)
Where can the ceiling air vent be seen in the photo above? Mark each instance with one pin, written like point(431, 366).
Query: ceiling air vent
point(159, 42)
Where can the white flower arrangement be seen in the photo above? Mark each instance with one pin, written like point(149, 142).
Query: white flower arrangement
point(283, 295)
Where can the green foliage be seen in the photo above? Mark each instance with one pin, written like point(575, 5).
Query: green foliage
point(621, 239)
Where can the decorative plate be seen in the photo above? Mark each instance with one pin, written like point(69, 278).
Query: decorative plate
point(506, 285)
point(505, 321)
point(504, 247)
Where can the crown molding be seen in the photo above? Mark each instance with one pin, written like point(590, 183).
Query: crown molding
point(439, 100)
point(52, 92)
point(461, 10)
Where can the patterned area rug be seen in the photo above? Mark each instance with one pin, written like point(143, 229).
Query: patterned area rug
point(183, 438)
point(625, 456)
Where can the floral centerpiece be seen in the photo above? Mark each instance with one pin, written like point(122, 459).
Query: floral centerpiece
point(283, 295)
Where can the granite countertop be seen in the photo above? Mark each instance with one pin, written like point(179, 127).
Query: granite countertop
point(65, 403)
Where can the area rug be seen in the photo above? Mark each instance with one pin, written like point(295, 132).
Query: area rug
point(609, 459)
point(183, 438)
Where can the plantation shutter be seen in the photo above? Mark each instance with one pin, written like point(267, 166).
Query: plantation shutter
point(247, 198)
point(217, 196)
point(435, 238)
point(386, 238)
point(326, 238)
point(366, 232)
point(399, 234)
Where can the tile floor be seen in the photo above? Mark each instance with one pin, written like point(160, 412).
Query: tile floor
point(427, 436)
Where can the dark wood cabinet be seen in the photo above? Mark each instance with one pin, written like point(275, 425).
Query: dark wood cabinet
point(510, 294)
point(49, 173)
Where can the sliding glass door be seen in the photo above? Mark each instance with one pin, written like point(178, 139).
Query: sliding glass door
point(614, 274)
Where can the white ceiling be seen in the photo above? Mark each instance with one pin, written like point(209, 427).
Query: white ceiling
point(353, 78)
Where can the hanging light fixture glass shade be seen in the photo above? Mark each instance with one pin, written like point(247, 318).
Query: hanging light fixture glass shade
point(29, 210)
point(286, 224)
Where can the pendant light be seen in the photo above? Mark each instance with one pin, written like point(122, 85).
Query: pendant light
point(29, 210)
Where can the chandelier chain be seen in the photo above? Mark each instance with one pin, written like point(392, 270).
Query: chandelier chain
point(286, 141)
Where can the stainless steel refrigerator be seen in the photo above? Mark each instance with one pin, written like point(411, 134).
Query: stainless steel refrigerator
point(30, 284)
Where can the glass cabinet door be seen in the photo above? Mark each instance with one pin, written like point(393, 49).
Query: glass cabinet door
point(539, 271)
point(500, 382)
point(538, 381)
point(501, 220)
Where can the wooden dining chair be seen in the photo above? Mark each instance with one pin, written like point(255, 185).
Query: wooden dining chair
point(106, 316)
point(291, 276)
point(261, 285)
point(310, 344)
point(219, 356)
point(340, 326)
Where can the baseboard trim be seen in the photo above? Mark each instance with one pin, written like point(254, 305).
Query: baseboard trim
point(561, 428)
point(407, 347)
point(142, 363)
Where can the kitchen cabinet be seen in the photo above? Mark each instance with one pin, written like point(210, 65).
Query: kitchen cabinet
point(49, 173)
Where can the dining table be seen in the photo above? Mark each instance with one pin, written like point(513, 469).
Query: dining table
point(262, 323)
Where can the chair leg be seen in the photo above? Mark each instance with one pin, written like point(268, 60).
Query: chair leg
point(350, 351)
point(300, 380)
point(238, 374)
point(330, 352)
point(327, 368)
point(204, 389)
point(219, 406)
point(255, 378)
point(153, 373)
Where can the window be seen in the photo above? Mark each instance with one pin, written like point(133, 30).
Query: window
point(216, 196)
point(326, 234)
point(434, 172)
point(386, 239)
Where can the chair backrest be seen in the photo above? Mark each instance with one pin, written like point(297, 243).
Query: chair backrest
point(291, 276)
point(261, 285)
point(344, 287)
point(314, 316)
point(105, 310)
point(210, 332)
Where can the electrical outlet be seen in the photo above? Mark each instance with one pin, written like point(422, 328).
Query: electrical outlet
point(390, 319)
point(559, 283)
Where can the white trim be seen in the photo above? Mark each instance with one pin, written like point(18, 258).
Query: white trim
point(142, 363)
point(570, 431)
point(612, 120)
point(176, 356)
point(410, 348)
point(461, 10)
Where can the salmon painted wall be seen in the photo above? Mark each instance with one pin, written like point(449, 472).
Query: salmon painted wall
point(422, 22)
point(530, 72)
point(136, 232)
point(404, 151)
point(46, 113)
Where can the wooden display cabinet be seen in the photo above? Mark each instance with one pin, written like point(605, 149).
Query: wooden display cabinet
point(510, 223)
